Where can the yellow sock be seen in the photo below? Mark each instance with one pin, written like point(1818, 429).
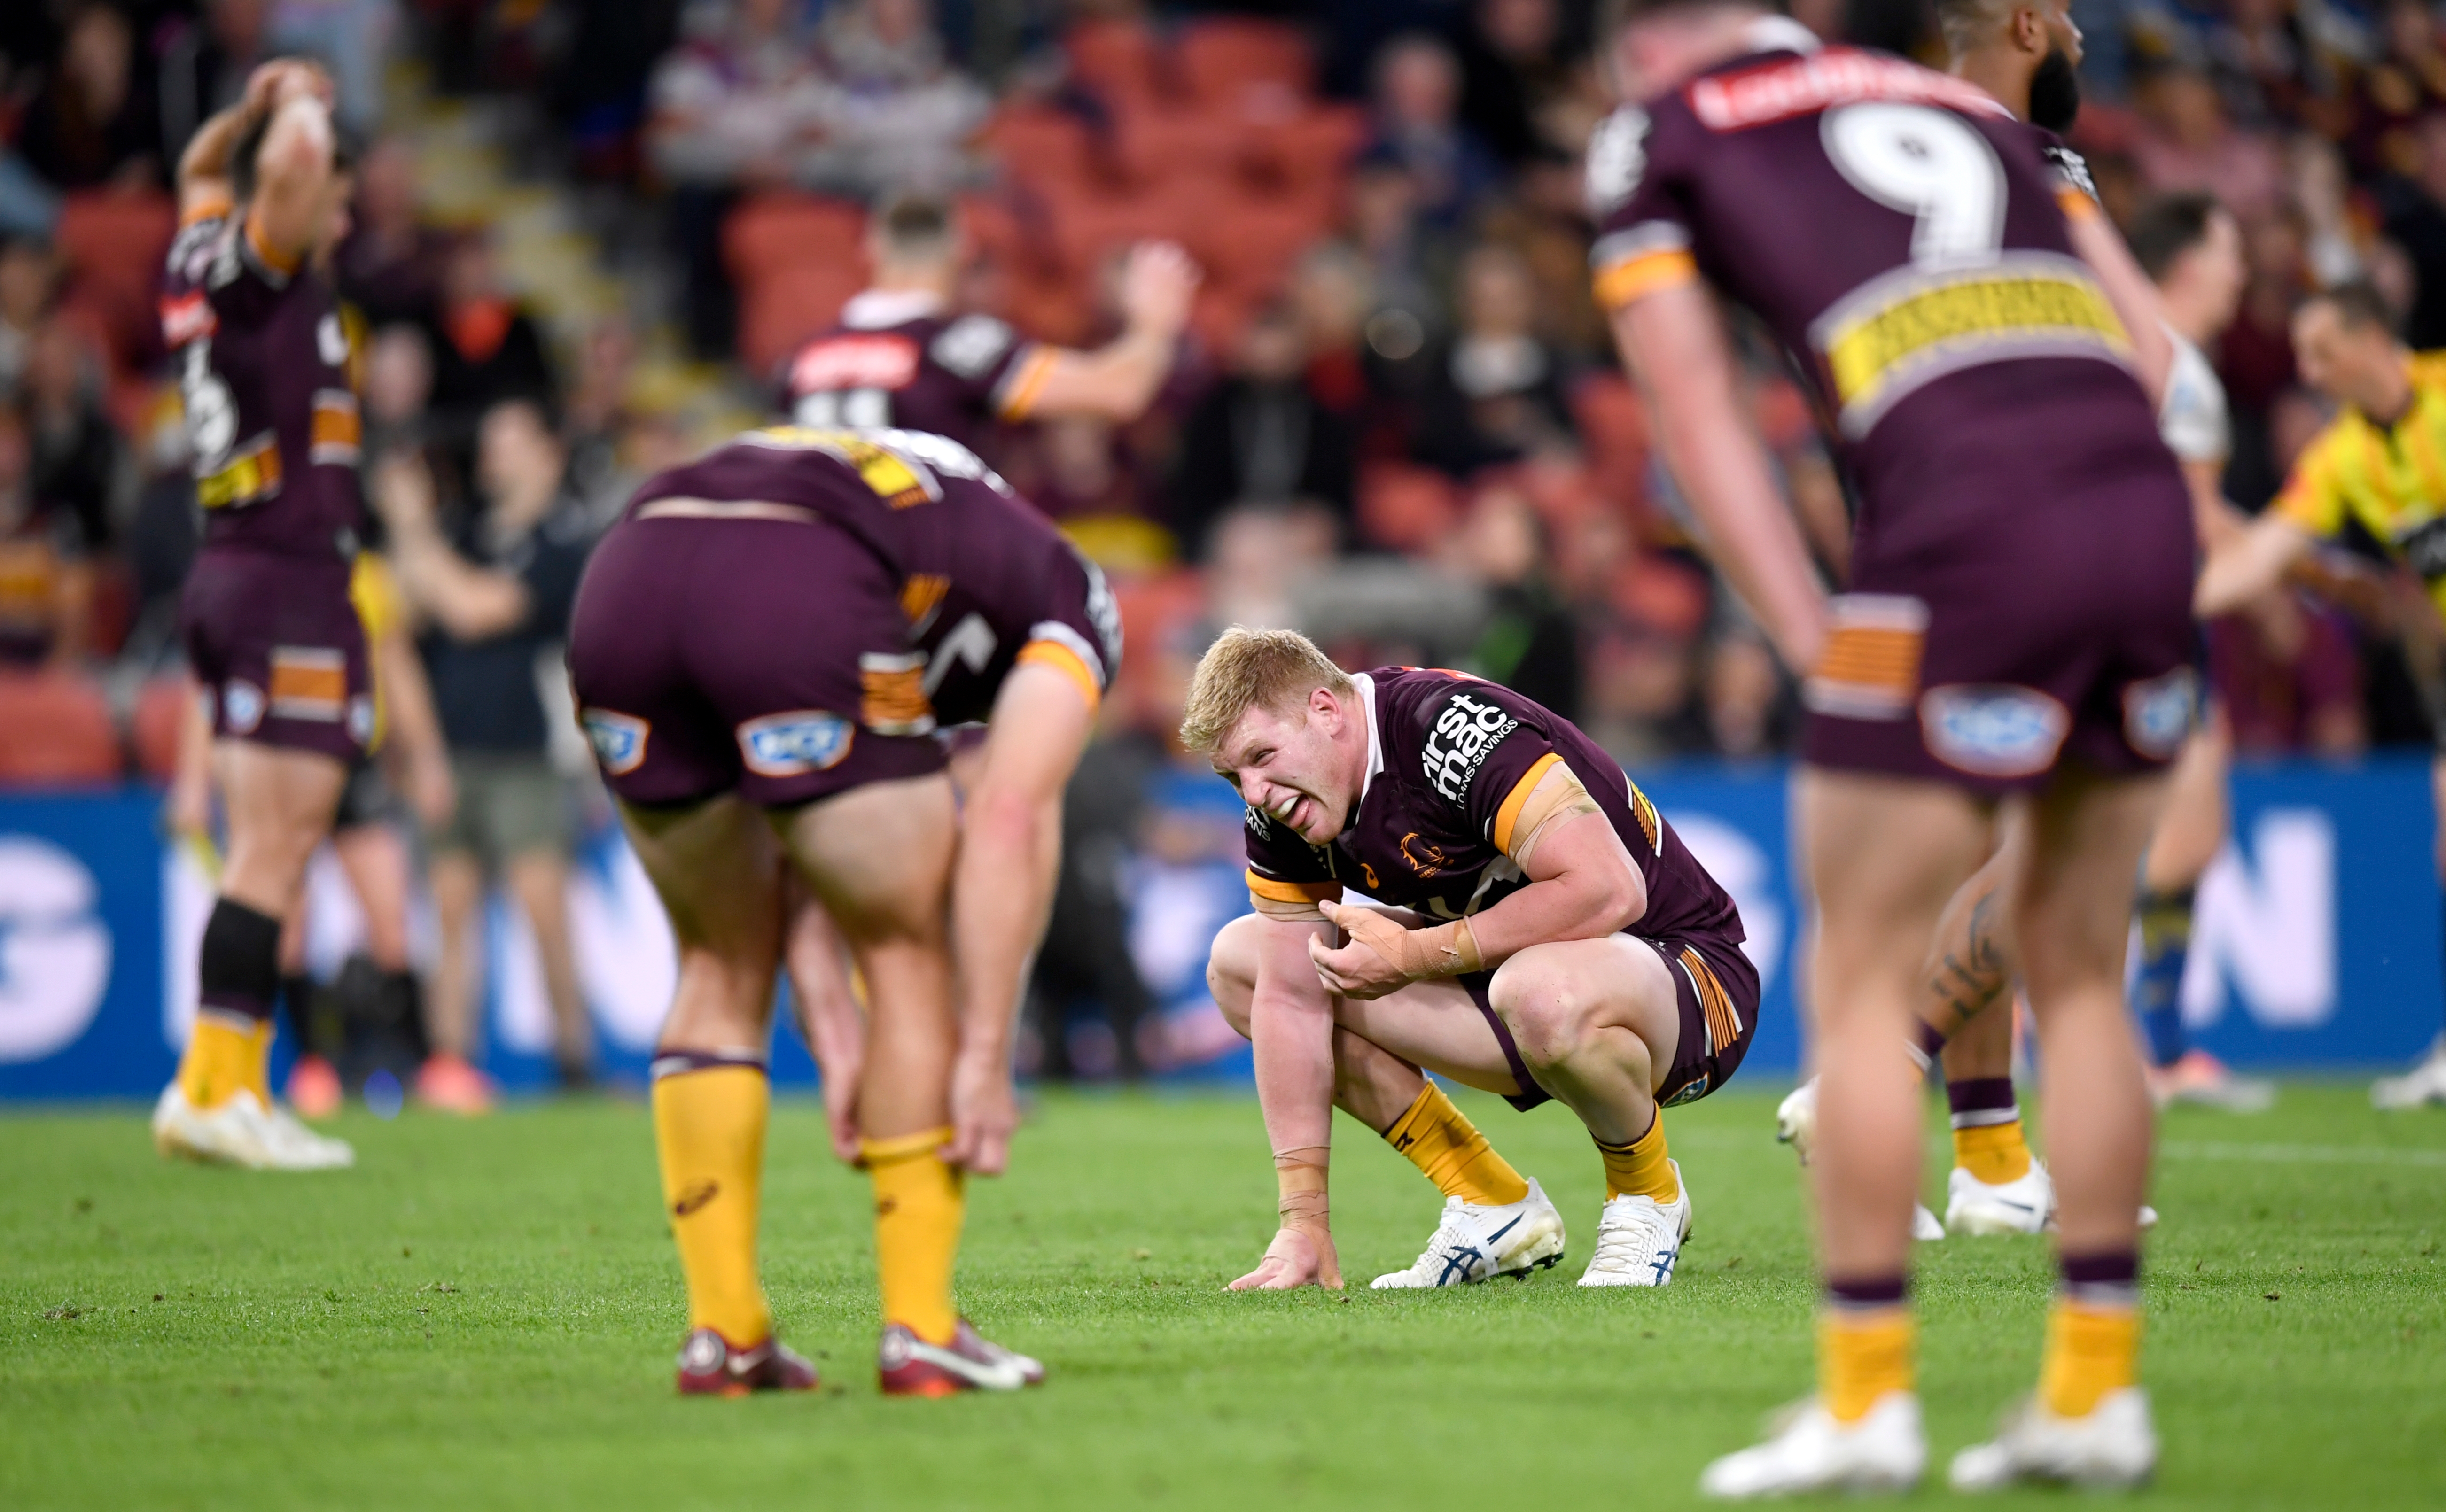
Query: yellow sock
point(1439, 1140)
point(1996, 1153)
point(918, 1205)
point(1862, 1355)
point(2091, 1350)
point(224, 1053)
point(1640, 1168)
point(709, 1128)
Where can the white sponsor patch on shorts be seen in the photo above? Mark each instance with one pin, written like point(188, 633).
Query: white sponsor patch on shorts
point(619, 740)
point(241, 707)
point(794, 744)
point(2157, 714)
point(1994, 730)
point(361, 719)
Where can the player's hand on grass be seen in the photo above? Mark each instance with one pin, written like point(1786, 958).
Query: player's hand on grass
point(1370, 964)
point(1298, 1257)
point(985, 1110)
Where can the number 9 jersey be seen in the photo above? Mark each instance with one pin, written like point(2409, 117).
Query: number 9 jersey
point(2022, 545)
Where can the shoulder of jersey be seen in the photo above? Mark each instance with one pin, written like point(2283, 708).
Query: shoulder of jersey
point(1617, 159)
point(971, 344)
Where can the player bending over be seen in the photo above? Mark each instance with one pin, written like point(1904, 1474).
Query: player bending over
point(752, 652)
point(1548, 936)
point(2017, 635)
point(2375, 466)
point(270, 634)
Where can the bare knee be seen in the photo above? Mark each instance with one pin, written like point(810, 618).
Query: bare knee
point(1232, 971)
point(1549, 1011)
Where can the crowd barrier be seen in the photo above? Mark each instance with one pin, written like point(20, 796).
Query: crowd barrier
point(2317, 947)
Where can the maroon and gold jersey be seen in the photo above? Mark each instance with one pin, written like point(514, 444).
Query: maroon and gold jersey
point(985, 582)
point(1905, 238)
point(1451, 763)
point(896, 361)
point(263, 360)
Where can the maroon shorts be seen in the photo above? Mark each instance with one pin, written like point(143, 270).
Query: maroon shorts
point(2059, 630)
point(1715, 990)
point(277, 645)
point(762, 657)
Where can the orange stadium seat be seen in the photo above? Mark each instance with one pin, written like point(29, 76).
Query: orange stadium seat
point(1250, 241)
point(161, 711)
point(789, 304)
point(1222, 59)
point(778, 231)
point(1404, 508)
point(1042, 147)
point(55, 729)
point(113, 242)
point(1118, 60)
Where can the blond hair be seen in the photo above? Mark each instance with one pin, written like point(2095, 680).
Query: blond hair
point(1246, 668)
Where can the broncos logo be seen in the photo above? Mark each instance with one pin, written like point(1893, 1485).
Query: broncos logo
point(1425, 857)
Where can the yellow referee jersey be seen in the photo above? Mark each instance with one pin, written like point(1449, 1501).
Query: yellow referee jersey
point(375, 594)
point(2390, 478)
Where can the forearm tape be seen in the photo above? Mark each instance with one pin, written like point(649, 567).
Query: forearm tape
point(1442, 950)
point(1558, 799)
point(1300, 1173)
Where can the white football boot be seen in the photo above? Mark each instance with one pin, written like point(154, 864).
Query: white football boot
point(1477, 1243)
point(1639, 1239)
point(1795, 1123)
point(2113, 1448)
point(2424, 1083)
point(2022, 1206)
point(1806, 1451)
point(242, 1133)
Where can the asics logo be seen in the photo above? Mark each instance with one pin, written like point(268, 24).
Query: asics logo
point(1662, 1264)
point(1505, 1229)
point(1462, 1261)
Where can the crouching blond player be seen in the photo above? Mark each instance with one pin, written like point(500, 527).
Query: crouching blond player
point(1549, 937)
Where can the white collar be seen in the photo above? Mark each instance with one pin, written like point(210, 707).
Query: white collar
point(881, 308)
point(1779, 34)
point(1366, 686)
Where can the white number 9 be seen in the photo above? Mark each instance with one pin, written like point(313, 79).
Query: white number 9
point(1927, 164)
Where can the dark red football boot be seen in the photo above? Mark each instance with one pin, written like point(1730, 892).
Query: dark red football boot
point(713, 1366)
point(905, 1365)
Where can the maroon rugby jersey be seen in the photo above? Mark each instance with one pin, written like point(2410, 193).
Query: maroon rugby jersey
point(272, 409)
point(987, 582)
point(895, 360)
point(1904, 235)
point(1450, 762)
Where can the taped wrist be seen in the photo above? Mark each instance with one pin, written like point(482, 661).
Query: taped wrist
point(1444, 950)
point(1300, 1174)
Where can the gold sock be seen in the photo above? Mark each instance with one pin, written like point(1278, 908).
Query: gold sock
point(225, 1053)
point(918, 1205)
point(1439, 1140)
point(1995, 1153)
point(2091, 1350)
point(1640, 1168)
point(709, 1128)
point(1862, 1355)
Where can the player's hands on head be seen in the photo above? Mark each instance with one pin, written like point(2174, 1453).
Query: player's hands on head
point(1370, 965)
point(276, 84)
point(1298, 1257)
point(985, 1110)
point(1158, 285)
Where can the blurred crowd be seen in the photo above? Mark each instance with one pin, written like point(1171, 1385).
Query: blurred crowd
point(1394, 419)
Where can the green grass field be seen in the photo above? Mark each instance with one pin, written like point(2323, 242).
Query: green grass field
point(484, 1313)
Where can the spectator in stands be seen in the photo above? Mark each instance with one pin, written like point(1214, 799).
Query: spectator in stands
point(398, 389)
point(1261, 436)
point(78, 461)
point(736, 107)
point(89, 125)
point(46, 583)
point(2287, 679)
point(2415, 209)
point(894, 113)
point(1498, 392)
point(495, 591)
point(29, 275)
point(1417, 124)
point(2407, 82)
point(1531, 643)
point(489, 348)
point(2187, 142)
point(598, 418)
point(391, 264)
point(204, 68)
point(1515, 60)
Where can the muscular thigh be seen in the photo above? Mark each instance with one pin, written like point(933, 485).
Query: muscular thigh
point(1438, 1026)
point(1620, 981)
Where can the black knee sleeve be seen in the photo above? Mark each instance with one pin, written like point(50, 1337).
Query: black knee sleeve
point(239, 971)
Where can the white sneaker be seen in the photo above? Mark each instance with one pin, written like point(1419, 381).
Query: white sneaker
point(1476, 1244)
point(241, 1132)
point(2022, 1206)
point(1639, 1239)
point(2424, 1083)
point(1925, 1227)
point(2114, 1448)
point(1807, 1451)
point(1795, 1119)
